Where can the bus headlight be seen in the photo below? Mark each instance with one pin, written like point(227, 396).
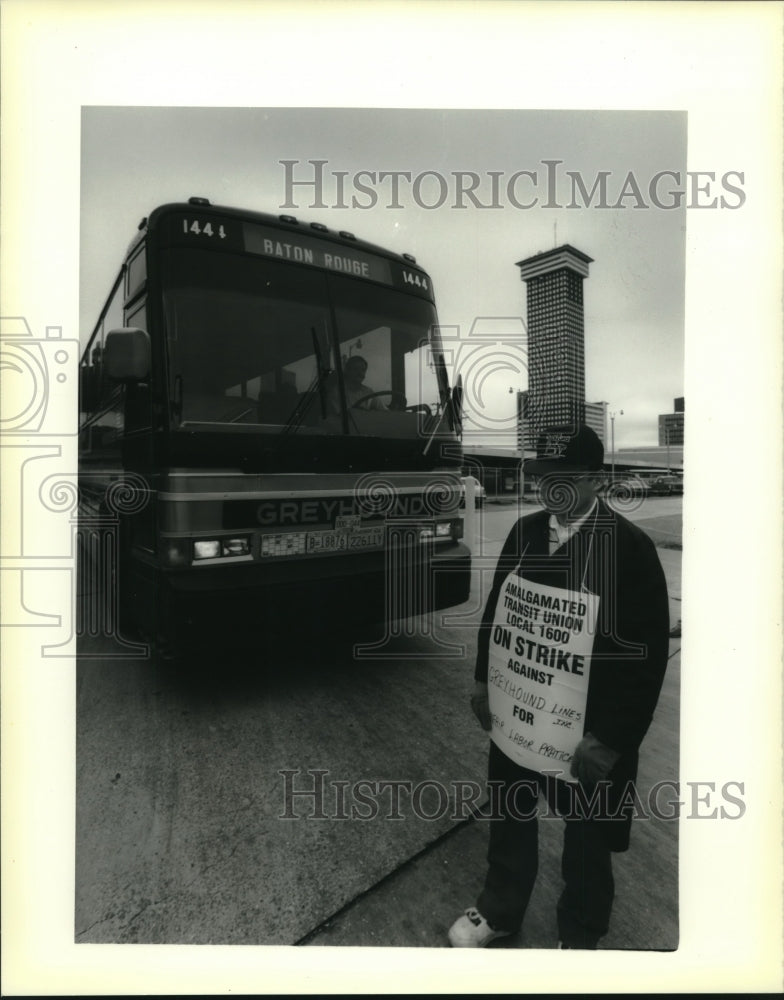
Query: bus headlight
point(236, 546)
point(441, 531)
point(204, 549)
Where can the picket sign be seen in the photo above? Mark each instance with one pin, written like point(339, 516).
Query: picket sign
point(539, 666)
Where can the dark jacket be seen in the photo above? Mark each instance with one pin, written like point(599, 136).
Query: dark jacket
point(617, 561)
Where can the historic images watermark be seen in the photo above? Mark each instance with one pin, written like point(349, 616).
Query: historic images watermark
point(550, 184)
point(314, 795)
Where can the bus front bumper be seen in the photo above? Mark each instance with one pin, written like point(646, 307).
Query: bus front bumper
point(364, 588)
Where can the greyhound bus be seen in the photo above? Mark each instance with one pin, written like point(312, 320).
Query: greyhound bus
point(266, 419)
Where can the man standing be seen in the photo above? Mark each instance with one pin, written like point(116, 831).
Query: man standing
point(571, 657)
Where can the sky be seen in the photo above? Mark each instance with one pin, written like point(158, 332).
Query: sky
point(134, 158)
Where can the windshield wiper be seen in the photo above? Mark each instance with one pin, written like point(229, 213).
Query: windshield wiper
point(452, 410)
point(317, 383)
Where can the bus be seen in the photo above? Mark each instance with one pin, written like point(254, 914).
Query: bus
point(267, 425)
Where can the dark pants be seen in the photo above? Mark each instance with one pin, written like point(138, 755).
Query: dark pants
point(513, 856)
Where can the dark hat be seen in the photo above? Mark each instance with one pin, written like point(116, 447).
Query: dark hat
point(566, 449)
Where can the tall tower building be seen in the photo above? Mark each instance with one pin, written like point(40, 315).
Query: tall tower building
point(556, 338)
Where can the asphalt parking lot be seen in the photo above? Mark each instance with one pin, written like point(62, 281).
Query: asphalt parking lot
point(190, 828)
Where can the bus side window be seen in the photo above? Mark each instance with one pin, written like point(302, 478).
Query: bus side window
point(103, 428)
point(101, 401)
point(101, 406)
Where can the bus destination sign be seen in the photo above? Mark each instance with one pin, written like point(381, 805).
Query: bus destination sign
point(306, 249)
point(210, 232)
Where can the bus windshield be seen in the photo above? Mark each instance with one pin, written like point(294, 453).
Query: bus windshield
point(292, 349)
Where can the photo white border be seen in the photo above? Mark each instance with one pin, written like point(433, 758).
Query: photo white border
point(720, 62)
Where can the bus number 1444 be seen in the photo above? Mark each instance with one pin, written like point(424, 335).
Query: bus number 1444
point(415, 279)
point(202, 229)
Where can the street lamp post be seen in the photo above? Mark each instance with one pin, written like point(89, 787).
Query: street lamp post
point(612, 442)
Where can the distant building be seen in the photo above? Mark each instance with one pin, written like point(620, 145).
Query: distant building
point(596, 418)
point(650, 458)
point(499, 470)
point(671, 424)
point(556, 338)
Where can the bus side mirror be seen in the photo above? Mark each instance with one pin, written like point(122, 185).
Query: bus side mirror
point(126, 354)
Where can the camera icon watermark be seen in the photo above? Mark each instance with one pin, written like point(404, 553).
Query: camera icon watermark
point(58, 583)
point(491, 363)
point(37, 375)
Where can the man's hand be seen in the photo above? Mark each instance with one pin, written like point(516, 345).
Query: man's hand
point(480, 705)
point(592, 760)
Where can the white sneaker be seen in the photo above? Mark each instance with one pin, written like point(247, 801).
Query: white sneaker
point(473, 931)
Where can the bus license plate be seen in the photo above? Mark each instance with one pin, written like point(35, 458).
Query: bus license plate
point(345, 541)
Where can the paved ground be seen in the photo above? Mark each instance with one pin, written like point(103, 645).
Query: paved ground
point(181, 797)
point(414, 905)
point(179, 793)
